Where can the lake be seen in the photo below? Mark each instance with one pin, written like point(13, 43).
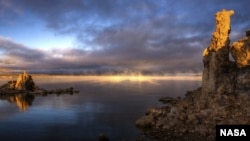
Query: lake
point(105, 104)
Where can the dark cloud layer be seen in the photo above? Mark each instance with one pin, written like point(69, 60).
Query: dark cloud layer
point(123, 35)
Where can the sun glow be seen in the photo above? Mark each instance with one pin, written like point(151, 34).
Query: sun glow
point(116, 78)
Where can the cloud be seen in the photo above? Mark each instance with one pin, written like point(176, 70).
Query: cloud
point(8, 12)
point(17, 55)
point(145, 35)
point(18, 50)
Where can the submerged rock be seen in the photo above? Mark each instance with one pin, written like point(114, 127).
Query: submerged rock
point(103, 137)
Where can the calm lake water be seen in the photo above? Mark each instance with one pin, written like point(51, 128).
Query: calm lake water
point(108, 105)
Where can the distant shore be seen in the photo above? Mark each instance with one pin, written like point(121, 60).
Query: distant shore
point(41, 74)
point(14, 76)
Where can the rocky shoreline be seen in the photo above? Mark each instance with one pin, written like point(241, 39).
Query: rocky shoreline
point(184, 119)
point(223, 98)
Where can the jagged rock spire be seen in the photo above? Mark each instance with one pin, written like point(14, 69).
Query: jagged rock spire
point(216, 77)
point(220, 37)
point(25, 82)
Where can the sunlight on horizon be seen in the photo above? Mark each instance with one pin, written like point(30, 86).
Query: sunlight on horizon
point(115, 78)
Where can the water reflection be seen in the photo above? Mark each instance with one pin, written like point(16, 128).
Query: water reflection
point(23, 101)
point(108, 105)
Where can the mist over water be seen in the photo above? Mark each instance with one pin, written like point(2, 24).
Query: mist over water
point(105, 104)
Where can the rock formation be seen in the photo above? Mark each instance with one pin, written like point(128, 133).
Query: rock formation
point(216, 75)
point(25, 82)
point(23, 91)
point(240, 51)
point(222, 99)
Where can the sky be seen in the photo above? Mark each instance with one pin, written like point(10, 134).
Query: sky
point(112, 36)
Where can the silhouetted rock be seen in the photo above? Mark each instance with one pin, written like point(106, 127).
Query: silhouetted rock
point(102, 137)
point(248, 33)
